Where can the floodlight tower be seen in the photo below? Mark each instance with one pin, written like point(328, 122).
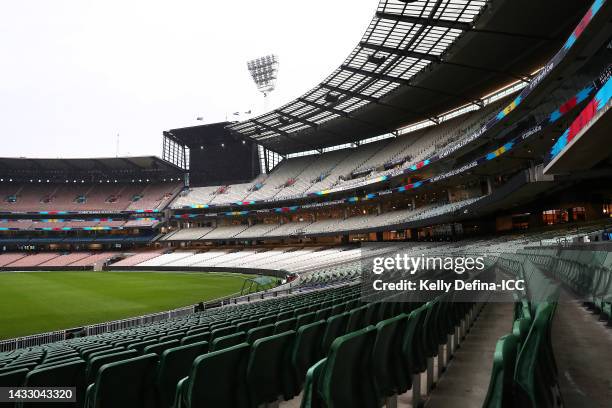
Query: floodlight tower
point(264, 71)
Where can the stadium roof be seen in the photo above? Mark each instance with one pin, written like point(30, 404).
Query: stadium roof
point(416, 60)
point(195, 135)
point(105, 165)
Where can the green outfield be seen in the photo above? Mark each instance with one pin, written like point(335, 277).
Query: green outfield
point(35, 302)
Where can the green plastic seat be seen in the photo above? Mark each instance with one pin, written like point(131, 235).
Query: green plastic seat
point(61, 357)
point(15, 367)
point(259, 333)
point(311, 397)
point(198, 330)
point(413, 358)
point(158, 348)
point(501, 386)
point(285, 325)
point(266, 320)
point(306, 349)
point(224, 331)
point(246, 326)
point(336, 327)
point(347, 379)
point(288, 314)
point(86, 353)
point(175, 364)
point(124, 384)
point(535, 374)
point(58, 362)
point(386, 366)
point(93, 366)
point(195, 338)
point(323, 314)
point(269, 372)
point(13, 378)
point(228, 341)
point(105, 352)
point(216, 379)
point(63, 375)
point(305, 318)
point(169, 337)
point(140, 346)
point(356, 319)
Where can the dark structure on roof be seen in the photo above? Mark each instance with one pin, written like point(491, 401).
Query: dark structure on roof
point(212, 154)
point(416, 60)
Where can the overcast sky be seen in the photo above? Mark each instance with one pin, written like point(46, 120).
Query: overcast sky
point(75, 73)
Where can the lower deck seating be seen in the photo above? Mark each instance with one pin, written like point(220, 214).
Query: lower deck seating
point(268, 347)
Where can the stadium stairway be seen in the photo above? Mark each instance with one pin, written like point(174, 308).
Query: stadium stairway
point(578, 337)
point(475, 356)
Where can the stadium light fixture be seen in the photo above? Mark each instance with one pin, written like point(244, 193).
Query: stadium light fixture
point(264, 71)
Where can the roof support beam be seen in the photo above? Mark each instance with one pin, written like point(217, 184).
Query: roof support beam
point(404, 53)
point(458, 25)
point(304, 121)
point(366, 98)
point(376, 75)
point(436, 59)
point(403, 81)
point(424, 21)
point(346, 115)
point(281, 133)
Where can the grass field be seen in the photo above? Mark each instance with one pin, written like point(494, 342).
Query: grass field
point(36, 302)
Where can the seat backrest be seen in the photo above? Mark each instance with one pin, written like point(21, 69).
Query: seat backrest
point(14, 367)
point(217, 379)
point(228, 341)
point(224, 331)
point(87, 352)
point(500, 392)
point(269, 373)
point(323, 313)
point(13, 378)
point(104, 352)
point(174, 364)
point(533, 367)
point(159, 348)
point(93, 366)
point(311, 397)
point(246, 326)
point(259, 332)
point(140, 346)
point(126, 384)
point(305, 318)
point(347, 380)
point(336, 327)
point(413, 357)
point(355, 319)
point(285, 325)
point(195, 338)
point(169, 337)
point(63, 375)
point(58, 362)
point(430, 329)
point(386, 366)
point(306, 349)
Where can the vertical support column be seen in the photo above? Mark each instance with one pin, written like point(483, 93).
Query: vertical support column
point(430, 373)
point(416, 391)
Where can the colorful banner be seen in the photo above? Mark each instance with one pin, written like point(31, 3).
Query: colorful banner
point(588, 114)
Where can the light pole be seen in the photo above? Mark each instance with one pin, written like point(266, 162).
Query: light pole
point(264, 71)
